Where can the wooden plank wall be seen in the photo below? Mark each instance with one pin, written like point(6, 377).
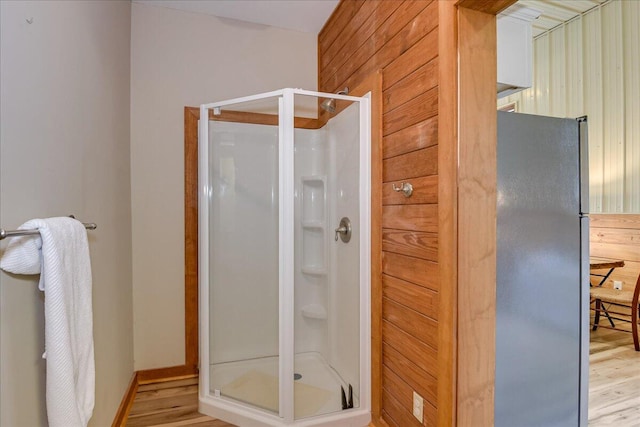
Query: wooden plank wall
point(617, 236)
point(401, 39)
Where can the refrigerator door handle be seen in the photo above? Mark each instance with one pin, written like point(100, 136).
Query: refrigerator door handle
point(583, 136)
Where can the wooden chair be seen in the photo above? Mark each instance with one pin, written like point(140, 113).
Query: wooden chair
point(617, 300)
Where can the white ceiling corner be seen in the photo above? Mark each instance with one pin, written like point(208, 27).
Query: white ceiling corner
point(300, 15)
point(557, 12)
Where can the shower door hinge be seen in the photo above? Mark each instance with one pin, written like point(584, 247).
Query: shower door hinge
point(347, 404)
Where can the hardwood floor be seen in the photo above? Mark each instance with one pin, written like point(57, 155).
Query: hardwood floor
point(614, 391)
point(614, 380)
point(170, 404)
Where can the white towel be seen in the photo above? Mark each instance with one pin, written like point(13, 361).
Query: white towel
point(61, 255)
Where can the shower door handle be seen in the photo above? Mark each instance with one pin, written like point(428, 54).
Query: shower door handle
point(344, 230)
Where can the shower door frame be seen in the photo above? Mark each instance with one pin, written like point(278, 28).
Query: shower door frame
point(234, 411)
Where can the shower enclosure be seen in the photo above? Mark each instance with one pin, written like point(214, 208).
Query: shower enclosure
point(284, 259)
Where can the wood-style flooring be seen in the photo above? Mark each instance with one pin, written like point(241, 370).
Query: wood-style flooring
point(614, 380)
point(614, 391)
point(170, 404)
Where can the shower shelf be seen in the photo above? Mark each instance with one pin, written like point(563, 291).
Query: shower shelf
point(315, 178)
point(313, 224)
point(313, 199)
point(314, 311)
point(314, 270)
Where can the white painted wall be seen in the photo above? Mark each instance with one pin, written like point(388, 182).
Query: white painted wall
point(591, 66)
point(179, 59)
point(64, 149)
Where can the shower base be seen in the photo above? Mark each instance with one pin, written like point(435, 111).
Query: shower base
point(255, 382)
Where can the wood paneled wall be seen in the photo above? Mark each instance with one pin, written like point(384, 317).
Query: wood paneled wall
point(401, 39)
point(438, 255)
point(617, 237)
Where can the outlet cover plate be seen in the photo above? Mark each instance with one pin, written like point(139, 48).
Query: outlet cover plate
point(418, 405)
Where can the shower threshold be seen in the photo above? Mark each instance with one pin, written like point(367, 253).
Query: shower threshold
point(255, 382)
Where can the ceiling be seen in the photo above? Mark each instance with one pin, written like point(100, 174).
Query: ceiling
point(310, 15)
point(303, 15)
point(555, 12)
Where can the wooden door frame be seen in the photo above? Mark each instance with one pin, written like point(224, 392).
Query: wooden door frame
point(467, 167)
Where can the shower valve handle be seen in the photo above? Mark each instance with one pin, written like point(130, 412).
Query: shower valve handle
point(344, 230)
point(340, 230)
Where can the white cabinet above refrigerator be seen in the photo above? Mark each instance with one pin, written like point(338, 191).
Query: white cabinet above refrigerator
point(515, 49)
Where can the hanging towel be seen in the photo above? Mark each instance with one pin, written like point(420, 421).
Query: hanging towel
point(23, 255)
point(61, 255)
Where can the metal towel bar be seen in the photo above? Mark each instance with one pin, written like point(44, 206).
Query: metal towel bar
point(13, 233)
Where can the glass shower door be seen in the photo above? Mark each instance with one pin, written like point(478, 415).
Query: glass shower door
point(283, 303)
point(243, 254)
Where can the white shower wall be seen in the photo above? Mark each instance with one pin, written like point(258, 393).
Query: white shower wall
point(311, 242)
point(331, 154)
point(344, 280)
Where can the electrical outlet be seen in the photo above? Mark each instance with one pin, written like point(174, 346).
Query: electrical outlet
point(418, 405)
point(617, 285)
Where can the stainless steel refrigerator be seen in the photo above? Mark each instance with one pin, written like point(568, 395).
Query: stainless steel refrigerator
point(542, 330)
